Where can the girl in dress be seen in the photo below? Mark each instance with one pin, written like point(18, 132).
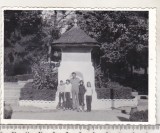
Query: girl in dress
point(89, 92)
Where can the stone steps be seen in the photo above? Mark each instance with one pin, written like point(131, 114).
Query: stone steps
point(12, 93)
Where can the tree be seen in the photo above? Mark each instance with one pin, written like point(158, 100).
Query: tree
point(54, 24)
point(21, 30)
point(123, 36)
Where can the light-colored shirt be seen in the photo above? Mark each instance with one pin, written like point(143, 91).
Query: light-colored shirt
point(68, 88)
point(61, 88)
point(75, 83)
point(89, 91)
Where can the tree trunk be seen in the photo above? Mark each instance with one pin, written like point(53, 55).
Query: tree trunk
point(49, 53)
point(145, 71)
point(131, 70)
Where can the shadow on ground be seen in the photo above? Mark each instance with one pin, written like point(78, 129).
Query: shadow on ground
point(122, 118)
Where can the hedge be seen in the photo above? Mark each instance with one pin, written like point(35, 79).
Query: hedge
point(30, 93)
point(23, 77)
point(122, 93)
point(114, 91)
point(103, 93)
point(10, 79)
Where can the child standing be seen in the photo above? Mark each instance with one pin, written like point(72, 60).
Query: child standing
point(82, 91)
point(68, 88)
point(60, 92)
point(89, 92)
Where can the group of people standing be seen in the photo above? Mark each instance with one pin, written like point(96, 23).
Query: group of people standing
point(72, 94)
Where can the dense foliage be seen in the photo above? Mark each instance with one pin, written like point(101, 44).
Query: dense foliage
point(114, 91)
point(21, 35)
point(8, 111)
point(123, 35)
point(44, 76)
point(141, 116)
point(123, 38)
point(16, 78)
point(30, 93)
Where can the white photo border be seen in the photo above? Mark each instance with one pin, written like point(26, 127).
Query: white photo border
point(151, 70)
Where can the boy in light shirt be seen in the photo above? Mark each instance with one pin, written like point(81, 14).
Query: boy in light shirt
point(68, 90)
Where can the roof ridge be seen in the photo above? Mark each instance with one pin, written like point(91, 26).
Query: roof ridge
point(71, 29)
point(75, 35)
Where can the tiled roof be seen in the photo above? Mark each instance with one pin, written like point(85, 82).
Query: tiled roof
point(75, 36)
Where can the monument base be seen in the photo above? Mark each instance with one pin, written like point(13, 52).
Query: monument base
point(97, 104)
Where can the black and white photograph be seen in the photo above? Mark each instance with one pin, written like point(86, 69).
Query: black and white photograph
point(78, 66)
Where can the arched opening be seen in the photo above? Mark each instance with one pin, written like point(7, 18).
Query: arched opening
point(78, 74)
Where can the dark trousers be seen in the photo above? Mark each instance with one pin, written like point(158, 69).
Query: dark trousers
point(81, 99)
point(61, 97)
point(68, 100)
point(88, 101)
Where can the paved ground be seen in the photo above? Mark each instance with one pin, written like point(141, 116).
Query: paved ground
point(109, 115)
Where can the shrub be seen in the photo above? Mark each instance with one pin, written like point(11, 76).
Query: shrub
point(103, 93)
point(30, 93)
point(141, 116)
point(114, 91)
point(44, 76)
point(45, 80)
point(7, 111)
point(122, 93)
point(10, 79)
point(24, 77)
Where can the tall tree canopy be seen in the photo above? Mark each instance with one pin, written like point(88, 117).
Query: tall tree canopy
point(123, 35)
point(21, 33)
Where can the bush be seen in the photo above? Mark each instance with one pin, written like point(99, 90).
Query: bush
point(10, 79)
point(138, 82)
point(7, 111)
point(30, 93)
point(103, 93)
point(24, 77)
point(44, 76)
point(114, 91)
point(122, 93)
point(141, 116)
